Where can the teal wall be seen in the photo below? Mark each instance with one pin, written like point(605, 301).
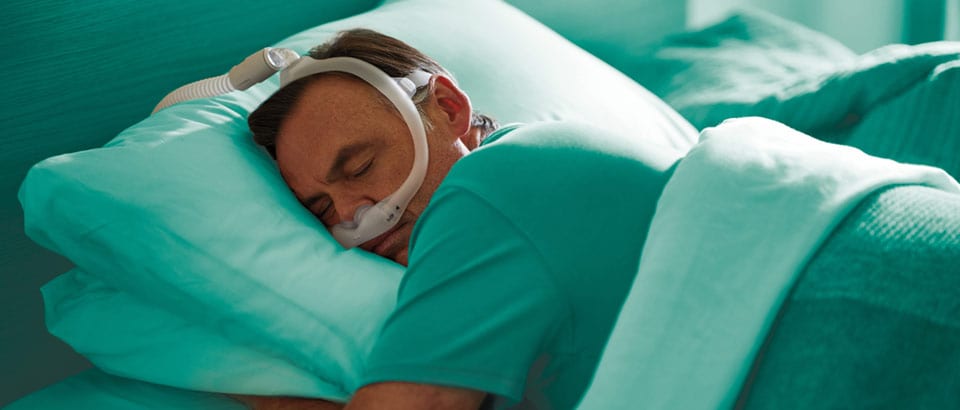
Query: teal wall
point(953, 20)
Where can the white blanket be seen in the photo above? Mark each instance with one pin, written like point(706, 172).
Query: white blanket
point(737, 222)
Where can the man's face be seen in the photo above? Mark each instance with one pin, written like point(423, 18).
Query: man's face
point(341, 148)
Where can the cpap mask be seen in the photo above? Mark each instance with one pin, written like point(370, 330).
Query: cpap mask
point(370, 221)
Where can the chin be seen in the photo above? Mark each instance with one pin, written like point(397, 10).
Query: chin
point(401, 257)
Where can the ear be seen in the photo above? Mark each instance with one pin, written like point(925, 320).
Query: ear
point(453, 105)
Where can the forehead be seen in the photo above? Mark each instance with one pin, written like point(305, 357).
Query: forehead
point(334, 111)
point(331, 103)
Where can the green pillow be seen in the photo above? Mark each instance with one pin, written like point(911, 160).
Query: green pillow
point(920, 125)
point(616, 31)
point(897, 102)
point(184, 213)
point(742, 58)
point(95, 390)
point(128, 337)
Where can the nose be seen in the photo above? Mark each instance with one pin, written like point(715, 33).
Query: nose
point(346, 205)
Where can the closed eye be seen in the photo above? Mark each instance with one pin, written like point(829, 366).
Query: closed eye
point(363, 169)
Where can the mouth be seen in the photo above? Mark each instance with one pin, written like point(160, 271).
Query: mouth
point(385, 244)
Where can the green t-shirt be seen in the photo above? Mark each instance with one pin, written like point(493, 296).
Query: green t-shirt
point(519, 265)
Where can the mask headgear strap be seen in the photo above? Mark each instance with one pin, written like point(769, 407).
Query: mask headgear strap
point(372, 221)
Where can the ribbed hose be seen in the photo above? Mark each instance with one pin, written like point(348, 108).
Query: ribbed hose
point(209, 87)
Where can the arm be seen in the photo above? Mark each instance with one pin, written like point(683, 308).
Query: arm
point(285, 403)
point(391, 395)
point(399, 395)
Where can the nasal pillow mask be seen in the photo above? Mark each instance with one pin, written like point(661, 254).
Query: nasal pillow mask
point(369, 221)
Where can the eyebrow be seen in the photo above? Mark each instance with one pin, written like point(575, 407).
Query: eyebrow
point(336, 170)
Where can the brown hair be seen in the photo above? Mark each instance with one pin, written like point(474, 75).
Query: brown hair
point(393, 56)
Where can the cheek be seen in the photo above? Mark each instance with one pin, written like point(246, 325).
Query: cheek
point(394, 164)
point(386, 180)
point(441, 163)
point(432, 181)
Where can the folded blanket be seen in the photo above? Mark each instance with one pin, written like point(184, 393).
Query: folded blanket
point(741, 216)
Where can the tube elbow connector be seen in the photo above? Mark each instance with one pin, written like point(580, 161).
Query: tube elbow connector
point(257, 67)
point(260, 66)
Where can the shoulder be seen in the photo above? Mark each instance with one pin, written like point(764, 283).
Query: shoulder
point(536, 163)
point(553, 150)
point(540, 186)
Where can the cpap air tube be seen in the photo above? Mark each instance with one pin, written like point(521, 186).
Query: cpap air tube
point(369, 221)
point(257, 67)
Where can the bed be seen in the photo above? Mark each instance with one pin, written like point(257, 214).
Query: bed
point(893, 102)
point(104, 42)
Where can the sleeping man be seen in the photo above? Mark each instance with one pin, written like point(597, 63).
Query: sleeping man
point(522, 242)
